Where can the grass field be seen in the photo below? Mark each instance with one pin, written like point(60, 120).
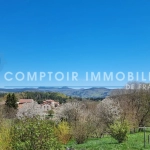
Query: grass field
point(134, 142)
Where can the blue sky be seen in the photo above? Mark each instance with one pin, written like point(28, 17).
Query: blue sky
point(77, 35)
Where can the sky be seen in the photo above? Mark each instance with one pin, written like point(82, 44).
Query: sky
point(73, 36)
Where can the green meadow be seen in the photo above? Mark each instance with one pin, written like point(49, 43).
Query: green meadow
point(134, 142)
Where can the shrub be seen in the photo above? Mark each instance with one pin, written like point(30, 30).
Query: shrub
point(51, 112)
point(62, 131)
point(34, 133)
point(119, 131)
point(80, 133)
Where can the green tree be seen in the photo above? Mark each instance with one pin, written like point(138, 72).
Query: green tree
point(8, 100)
point(119, 131)
point(11, 101)
point(51, 112)
point(34, 134)
point(63, 132)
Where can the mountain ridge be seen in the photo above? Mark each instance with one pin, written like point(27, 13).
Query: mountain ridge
point(93, 92)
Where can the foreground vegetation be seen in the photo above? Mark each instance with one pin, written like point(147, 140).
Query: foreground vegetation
point(134, 142)
point(29, 134)
point(112, 123)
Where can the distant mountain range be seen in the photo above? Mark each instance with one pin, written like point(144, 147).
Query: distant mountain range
point(94, 92)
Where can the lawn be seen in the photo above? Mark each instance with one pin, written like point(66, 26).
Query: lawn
point(134, 142)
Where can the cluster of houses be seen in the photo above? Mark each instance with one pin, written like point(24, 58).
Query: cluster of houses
point(29, 107)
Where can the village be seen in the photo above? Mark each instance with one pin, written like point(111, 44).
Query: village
point(30, 108)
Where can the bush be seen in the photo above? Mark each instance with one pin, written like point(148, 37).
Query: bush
point(51, 112)
point(34, 134)
point(80, 133)
point(119, 131)
point(62, 131)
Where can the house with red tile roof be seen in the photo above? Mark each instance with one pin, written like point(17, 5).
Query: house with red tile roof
point(24, 101)
point(29, 107)
point(51, 102)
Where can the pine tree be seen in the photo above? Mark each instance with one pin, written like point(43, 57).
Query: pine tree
point(11, 101)
point(14, 101)
point(8, 100)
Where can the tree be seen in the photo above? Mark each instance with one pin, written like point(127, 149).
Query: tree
point(79, 118)
point(135, 104)
point(34, 134)
point(71, 112)
point(8, 100)
point(119, 130)
point(63, 132)
point(14, 101)
point(80, 132)
point(108, 111)
point(11, 101)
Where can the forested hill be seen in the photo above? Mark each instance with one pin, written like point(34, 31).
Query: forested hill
point(41, 96)
point(82, 92)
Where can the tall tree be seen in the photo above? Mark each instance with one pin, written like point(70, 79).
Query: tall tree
point(8, 100)
point(11, 101)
